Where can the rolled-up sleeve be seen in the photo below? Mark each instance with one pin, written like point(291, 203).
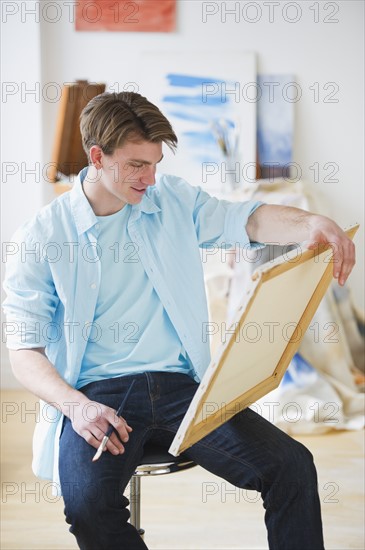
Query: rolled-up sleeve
point(31, 299)
point(223, 223)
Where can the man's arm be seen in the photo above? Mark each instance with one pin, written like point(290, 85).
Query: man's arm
point(285, 224)
point(32, 368)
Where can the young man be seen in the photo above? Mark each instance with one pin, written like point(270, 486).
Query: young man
point(112, 291)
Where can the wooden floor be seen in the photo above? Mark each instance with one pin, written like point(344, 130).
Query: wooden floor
point(195, 510)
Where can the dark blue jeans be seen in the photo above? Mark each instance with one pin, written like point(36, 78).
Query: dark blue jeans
point(247, 451)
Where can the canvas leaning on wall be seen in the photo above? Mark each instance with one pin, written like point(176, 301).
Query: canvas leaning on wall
point(203, 97)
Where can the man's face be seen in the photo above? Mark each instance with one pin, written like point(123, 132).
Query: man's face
point(130, 170)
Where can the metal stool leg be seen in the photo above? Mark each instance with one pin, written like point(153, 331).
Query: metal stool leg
point(155, 461)
point(135, 504)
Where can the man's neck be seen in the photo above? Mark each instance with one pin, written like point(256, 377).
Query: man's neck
point(101, 201)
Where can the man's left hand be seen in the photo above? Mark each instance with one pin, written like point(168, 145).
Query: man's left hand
point(326, 231)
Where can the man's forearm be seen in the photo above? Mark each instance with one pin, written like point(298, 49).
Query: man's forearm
point(36, 373)
point(288, 225)
point(280, 224)
point(32, 368)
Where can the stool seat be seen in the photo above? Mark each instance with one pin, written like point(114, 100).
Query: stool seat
point(156, 460)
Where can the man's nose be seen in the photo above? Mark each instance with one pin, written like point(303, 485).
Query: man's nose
point(148, 177)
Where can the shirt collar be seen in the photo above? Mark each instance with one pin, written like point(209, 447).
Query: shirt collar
point(84, 215)
point(147, 205)
point(81, 209)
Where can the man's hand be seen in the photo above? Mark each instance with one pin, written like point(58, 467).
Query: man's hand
point(326, 231)
point(276, 224)
point(92, 420)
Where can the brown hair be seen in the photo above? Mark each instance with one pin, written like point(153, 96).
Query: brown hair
point(110, 119)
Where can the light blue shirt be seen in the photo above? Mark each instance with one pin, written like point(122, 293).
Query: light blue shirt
point(131, 331)
point(53, 279)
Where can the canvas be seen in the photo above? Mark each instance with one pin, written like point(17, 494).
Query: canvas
point(275, 125)
point(126, 16)
point(269, 326)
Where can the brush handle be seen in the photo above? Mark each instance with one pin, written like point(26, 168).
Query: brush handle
point(111, 428)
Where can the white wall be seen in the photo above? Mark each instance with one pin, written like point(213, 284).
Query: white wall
point(21, 139)
point(315, 52)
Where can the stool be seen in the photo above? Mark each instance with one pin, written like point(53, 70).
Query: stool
point(155, 461)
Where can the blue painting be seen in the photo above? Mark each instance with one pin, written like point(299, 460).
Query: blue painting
point(210, 131)
point(202, 95)
point(275, 125)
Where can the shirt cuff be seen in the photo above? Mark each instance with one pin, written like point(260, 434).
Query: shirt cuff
point(237, 219)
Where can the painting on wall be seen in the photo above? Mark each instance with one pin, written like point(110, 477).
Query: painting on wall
point(275, 125)
point(205, 98)
point(126, 16)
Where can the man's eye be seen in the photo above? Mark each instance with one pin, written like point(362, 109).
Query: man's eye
point(137, 165)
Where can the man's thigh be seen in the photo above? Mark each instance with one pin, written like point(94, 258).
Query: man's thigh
point(247, 451)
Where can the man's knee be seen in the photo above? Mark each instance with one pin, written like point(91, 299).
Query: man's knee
point(293, 475)
point(83, 504)
point(300, 461)
point(291, 457)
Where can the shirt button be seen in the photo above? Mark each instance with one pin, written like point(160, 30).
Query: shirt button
point(97, 226)
point(93, 286)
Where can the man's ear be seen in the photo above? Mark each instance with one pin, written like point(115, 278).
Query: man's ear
point(96, 155)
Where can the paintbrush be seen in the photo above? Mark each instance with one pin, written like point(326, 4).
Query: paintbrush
point(111, 428)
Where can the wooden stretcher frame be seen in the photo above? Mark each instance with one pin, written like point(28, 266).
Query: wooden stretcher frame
point(245, 369)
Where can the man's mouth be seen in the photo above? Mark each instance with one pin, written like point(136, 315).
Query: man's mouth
point(141, 191)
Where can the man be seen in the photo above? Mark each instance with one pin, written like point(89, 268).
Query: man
point(112, 291)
